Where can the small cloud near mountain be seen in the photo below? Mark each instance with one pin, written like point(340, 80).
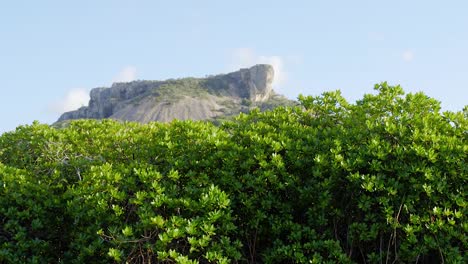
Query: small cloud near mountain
point(127, 74)
point(76, 98)
point(73, 99)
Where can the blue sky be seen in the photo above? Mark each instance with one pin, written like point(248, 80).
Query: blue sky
point(53, 52)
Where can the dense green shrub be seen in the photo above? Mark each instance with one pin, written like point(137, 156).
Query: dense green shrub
point(378, 181)
point(31, 219)
point(145, 216)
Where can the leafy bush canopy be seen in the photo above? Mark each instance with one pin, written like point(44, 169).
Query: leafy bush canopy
point(378, 181)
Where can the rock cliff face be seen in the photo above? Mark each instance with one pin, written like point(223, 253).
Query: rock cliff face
point(188, 98)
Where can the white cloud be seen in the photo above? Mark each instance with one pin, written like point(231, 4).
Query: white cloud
point(76, 98)
point(246, 57)
point(127, 74)
point(408, 55)
point(72, 100)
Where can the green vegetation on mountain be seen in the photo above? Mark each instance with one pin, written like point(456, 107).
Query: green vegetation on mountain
point(379, 181)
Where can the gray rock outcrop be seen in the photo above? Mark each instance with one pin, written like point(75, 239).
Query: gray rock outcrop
point(188, 98)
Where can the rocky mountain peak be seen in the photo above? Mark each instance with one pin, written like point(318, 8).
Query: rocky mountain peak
point(186, 98)
point(257, 80)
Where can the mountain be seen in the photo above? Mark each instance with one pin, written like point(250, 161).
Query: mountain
point(210, 98)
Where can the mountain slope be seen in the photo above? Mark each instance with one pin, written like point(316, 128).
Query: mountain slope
point(188, 98)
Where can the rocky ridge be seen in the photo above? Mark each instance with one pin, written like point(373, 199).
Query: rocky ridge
point(188, 98)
